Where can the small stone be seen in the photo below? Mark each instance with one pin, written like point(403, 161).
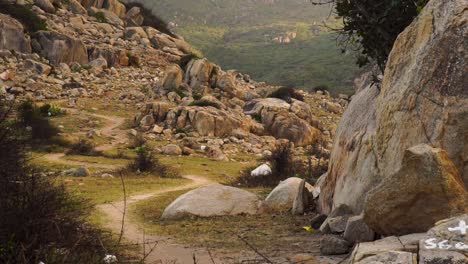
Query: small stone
point(358, 231)
point(317, 221)
point(333, 245)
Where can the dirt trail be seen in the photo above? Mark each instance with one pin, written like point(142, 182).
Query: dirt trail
point(111, 130)
point(165, 251)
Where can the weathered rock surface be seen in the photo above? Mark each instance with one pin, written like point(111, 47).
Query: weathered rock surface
point(423, 99)
point(213, 200)
point(12, 35)
point(357, 230)
point(58, 48)
point(394, 257)
point(282, 197)
point(333, 245)
point(426, 189)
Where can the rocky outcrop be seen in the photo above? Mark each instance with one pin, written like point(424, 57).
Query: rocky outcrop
point(60, 48)
point(423, 99)
point(12, 35)
point(213, 200)
point(207, 121)
point(426, 189)
point(283, 120)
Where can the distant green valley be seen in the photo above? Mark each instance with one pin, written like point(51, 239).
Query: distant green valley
point(282, 42)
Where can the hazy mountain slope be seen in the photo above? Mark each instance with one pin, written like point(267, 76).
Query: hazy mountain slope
point(240, 34)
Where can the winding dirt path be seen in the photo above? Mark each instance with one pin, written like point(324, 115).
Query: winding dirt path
point(165, 251)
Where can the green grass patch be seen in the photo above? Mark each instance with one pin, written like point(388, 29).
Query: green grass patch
point(219, 171)
point(98, 190)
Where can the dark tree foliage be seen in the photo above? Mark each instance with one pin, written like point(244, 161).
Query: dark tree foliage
point(286, 94)
point(372, 26)
point(150, 19)
point(39, 220)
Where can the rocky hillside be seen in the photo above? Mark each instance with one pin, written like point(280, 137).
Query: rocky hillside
point(253, 35)
point(99, 50)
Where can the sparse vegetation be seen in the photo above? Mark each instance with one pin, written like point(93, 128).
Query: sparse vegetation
point(30, 20)
point(146, 162)
point(283, 166)
point(40, 221)
point(33, 119)
point(286, 94)
point(204, 103)
point(83, 147)
point(100, 17)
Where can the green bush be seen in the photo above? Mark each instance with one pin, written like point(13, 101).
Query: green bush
point(145, 162)
point(31, 116)
point(99, 16)
point(30, 20)
point(286, 94)
point(39, 220)
point(283, 166)
point(83, 147)
point(51, 110)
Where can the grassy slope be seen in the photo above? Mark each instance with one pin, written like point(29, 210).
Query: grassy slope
point(238, 34)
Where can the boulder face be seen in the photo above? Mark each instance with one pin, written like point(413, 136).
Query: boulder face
point(284, 120)
point(60, 48)
point(12, 35)
point(213, 200)
point(423, 99)
point(426, 189)
point(283, 196)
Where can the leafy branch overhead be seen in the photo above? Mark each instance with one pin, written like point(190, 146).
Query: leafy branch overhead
point(372, 26)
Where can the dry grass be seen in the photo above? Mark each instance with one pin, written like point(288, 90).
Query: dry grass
point(271, 233)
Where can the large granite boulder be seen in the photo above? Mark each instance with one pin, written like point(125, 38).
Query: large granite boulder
point(60, 48)
point(213, 200)
point(115, 6)
point(426, 189)
point(423, 99)
point(12, 35)
point(282, 197)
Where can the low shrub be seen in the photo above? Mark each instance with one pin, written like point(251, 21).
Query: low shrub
point(204, 103)
point(146, 162)
point(34, 119)
point(323, 88)
point(51, 110)
point(283, 166)
point(100, 17)
point(30, 20)
point(83, 147)
point(286, 94)
point(40, 221)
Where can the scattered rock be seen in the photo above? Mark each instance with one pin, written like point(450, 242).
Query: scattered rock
point(172, 150)
point(358, 231)
point(317, 221)
point(58, 48)
point(333, 245)
point(37, 67)
point(77, 172)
